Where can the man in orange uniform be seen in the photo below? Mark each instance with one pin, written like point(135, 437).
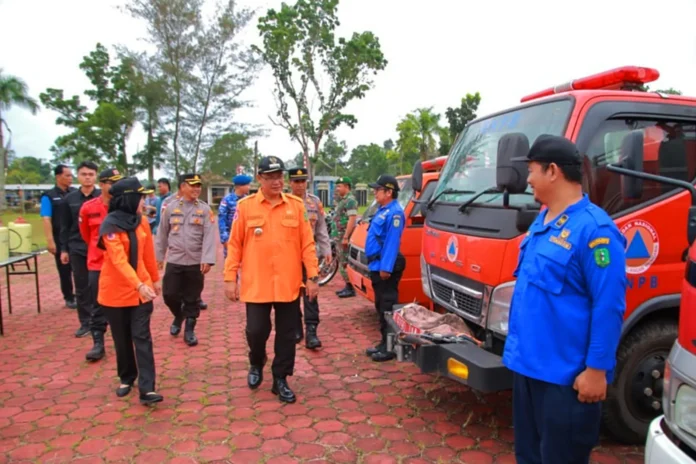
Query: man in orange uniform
point(271, 239)
point(90, 218)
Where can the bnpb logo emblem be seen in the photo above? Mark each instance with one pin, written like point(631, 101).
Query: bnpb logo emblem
point(452, 248)
point(642, 246)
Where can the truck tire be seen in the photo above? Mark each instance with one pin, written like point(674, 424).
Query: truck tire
point(635, 396)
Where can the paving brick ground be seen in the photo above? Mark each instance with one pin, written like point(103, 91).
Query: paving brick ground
point(55, 407)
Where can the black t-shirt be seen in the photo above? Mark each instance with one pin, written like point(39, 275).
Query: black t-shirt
point(70, 238)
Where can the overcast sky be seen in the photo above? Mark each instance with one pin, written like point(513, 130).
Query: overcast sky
point(438, 50)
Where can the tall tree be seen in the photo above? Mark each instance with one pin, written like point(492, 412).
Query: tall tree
point(100, 135)
point(13, 92)
point(368, 162)
point(228, 152)
point(460, 116)
point(223, 70)
point(419, 132)
point(299, 41)
point(173, 26)
point(328, 160)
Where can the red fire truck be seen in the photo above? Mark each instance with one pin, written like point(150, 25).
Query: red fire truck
point(474, 225)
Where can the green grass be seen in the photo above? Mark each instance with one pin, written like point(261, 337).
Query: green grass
point(34, 219)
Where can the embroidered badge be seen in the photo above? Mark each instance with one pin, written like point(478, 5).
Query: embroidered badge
point(565, 233)
point(397, 221)
point(236, 215)
point(599, 241)
point(560, 242)
point(601, 257)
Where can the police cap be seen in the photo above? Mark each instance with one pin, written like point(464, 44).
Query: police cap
point(128, 185)
point(110, 175)
point(191, 179)
point(552, 149)
point(241, 179)
point(387, 182)
point(345, 180)
point(298, 174)
point(270, 164)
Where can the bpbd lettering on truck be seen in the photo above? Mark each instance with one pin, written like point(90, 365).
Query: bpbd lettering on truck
point(477, 219)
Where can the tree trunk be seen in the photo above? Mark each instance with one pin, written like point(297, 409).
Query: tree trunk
point(150, 157)
point(3, 171)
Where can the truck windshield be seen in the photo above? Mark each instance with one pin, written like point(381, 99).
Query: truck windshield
point(405, 194)
point(472, 161)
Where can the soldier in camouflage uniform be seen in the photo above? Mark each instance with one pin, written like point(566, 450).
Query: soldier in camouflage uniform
point(345, 216)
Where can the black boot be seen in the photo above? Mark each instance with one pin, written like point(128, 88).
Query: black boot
point(189, 336)
point(380, 346)
point(382, 354)
point(282, 389)
point(299, 335)
point(255, 377)
point(347, 292)
point(202, 305)
point(175, 329)
point(313, 341)
point(97, 352)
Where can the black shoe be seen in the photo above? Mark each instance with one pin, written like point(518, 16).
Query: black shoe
point(299, 335)
point(202, 305)
point(255, 377)
point(150, 398)
point(71, 304)
point(381, 346)
point(189, 336)
point(122, 391)
point(313, 341)
point(383, 355)
point(82, 332)
point(97, 352)
point(281, 388)
point(347, 287)
point(175, 329)
point(347, 292)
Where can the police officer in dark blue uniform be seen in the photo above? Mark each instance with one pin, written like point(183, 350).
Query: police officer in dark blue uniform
point(385, 262)
point(566, 312)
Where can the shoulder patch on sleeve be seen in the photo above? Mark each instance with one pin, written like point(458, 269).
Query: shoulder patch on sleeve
point(397, 221)
point(602, 257)
point(236, 215)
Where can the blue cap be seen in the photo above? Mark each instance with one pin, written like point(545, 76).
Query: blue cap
point(241, 179)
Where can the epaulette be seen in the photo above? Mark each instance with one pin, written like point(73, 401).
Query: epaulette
point(253, 195)
point(599, 215)
point(296, 198)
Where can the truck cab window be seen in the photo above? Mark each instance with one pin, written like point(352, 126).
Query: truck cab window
point(669, 150)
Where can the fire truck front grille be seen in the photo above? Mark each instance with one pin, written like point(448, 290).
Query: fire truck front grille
point(457, 300)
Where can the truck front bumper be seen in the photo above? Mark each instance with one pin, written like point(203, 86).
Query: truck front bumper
point(660, 448)
point(464, 362)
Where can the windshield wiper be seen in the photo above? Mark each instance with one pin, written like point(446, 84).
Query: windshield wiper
point(468, 202)
point(446, 192)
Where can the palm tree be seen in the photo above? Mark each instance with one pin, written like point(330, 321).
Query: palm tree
point(13, 92)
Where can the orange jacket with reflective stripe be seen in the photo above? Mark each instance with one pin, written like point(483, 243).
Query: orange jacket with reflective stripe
point(270, 244)
point(118, 282)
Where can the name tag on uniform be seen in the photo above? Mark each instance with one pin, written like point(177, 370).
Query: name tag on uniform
point(560, 242)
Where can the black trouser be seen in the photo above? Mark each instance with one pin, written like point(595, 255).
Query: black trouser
point(258, 329)
point(130, 327)
point(82, 293)
point(97, 321)
point(551, 424)
point(65, 275)
point(311, 307)
point(387, 292)
point(181, 289)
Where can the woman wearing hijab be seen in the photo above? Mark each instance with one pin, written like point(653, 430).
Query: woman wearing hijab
point(129, 282)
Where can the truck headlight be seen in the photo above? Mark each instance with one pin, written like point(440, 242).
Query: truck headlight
point(685, 409)
point(425, 279)
point(499, 308)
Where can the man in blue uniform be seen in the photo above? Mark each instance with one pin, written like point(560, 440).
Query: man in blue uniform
point(385, 262)
point(566, 312)
point(228, 206)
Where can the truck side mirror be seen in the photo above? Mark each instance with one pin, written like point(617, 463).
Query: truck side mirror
point(691, 225)
point(417, 176)
point(632, 159)
point(511, 174)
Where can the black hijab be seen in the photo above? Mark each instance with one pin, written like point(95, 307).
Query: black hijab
point(124, 216)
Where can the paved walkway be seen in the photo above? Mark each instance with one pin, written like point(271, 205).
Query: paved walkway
point(55, 407)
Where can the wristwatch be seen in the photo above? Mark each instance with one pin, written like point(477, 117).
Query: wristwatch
point(314, 279)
